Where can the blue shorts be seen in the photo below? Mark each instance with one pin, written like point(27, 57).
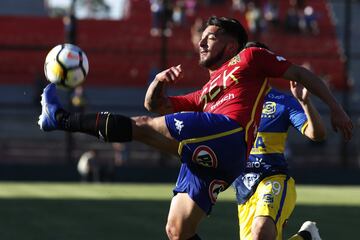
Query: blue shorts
point(213, 153)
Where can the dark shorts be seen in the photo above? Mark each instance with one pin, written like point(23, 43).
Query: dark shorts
point(213, 153)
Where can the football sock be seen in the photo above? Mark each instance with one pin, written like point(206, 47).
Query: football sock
point(303, 235)
point(195, 237)
point(106, 126)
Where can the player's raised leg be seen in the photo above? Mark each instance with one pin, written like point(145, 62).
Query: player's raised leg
point(154, 132)
point(106, 126)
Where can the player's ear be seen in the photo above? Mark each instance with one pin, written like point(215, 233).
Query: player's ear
point(233, 46)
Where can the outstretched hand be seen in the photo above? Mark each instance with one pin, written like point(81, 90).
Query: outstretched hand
point(341, 122)
point(170, 75)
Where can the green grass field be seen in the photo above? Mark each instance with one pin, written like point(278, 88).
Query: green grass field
point(71, 211)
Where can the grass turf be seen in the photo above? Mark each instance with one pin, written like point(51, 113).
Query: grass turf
point(138, 211)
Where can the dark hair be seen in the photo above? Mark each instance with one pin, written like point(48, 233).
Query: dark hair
point(256, 44)
point(230, 26)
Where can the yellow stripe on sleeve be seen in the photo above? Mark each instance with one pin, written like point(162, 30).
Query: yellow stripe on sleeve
point(304, 127)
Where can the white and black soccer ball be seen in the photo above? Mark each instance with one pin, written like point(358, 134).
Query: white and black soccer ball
point(66, 65)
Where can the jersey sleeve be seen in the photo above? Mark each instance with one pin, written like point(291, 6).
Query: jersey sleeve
point(188, 102)
point(268, 63)
point(297, 115)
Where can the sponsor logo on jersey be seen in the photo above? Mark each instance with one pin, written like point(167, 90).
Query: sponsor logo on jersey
point(254, 164)
point(217, 85)
point(178, 125)
point(269, 109)
point(216, 186)
point(205, 156)
point(268, 198)
point(272, 96)
point(224, 99)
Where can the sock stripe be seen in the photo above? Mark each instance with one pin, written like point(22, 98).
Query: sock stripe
point(106, 127)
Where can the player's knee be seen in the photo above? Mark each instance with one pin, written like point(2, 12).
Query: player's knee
point(262, 234)
point(173, 232)
point(178, 231)
point(263, 230)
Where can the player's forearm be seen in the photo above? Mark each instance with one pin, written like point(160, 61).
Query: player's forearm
point(315, 129)
point(156, 100)
point(314, 84)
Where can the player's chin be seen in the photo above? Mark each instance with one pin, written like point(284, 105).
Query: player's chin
point(204, 62)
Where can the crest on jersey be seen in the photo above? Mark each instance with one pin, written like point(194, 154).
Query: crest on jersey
point(234, 60)
point(216, 186)
point(250, 179)
point(204, 156)
point(269, 108)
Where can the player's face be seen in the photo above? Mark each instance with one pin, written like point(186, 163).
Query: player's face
point(212, 48)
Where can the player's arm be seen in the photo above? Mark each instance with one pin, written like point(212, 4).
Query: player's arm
point(315, 128)
point(339, 119)
point(156, 100)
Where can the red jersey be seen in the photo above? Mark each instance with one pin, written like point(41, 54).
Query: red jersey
point(237, 89)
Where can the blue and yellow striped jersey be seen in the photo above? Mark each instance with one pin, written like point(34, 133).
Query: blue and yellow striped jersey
point(280, 111)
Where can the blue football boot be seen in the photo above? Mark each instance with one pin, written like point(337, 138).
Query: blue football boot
point(50, 105)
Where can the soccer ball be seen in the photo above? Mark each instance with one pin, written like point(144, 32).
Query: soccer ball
point(66, 65)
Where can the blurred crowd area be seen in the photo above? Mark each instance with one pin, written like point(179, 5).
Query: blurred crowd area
point(260, 15)
point(128, 42)
point(154, 34)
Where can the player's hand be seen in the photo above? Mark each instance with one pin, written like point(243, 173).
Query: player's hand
point(299, 91)
point(341, 122)
point(170, 75)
